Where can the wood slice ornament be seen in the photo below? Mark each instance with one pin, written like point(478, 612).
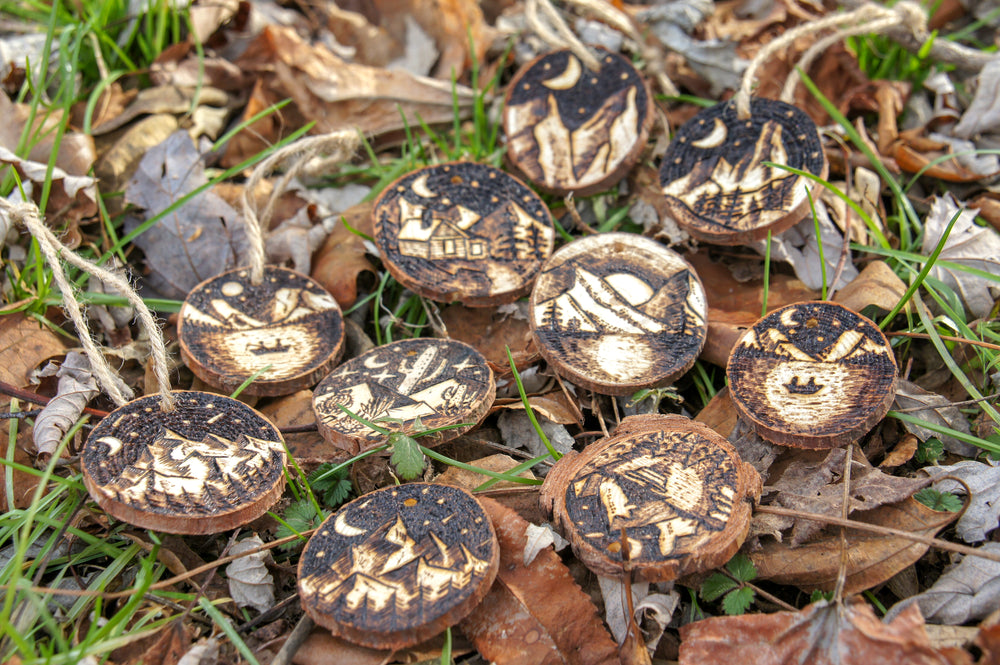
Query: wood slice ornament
point(812, 375)
point(463, 232)
point(399, 565)
point(230, 328)
point(570, 129)
point(211, 464)
point(617, 312)
point(437, 382)
point(715, 181)
point(678, 491)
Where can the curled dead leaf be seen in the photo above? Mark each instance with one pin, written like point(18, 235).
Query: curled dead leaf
point(536, 613)
point(877, 285)
point(491, 330)
point(343, 259)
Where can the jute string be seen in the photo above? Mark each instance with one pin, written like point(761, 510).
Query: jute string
point(560, 35)
point(338, 146)
point(867, 18)
point(55, 252)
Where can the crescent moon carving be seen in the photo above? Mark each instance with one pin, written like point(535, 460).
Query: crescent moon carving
point(568, 78)
point(788, 318)
point(715, 138)
point(420, 188)
point(371, 363)
point(341, 526)
point(114, 444)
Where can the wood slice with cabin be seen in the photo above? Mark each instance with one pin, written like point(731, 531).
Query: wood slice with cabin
point(211, 464)
point(463, 232)
point(663, 497)
point(617, 312)
point(715, 179)
point(405, 386)
point(573, 130)
point(399, 565)
point(230, 328)
point(812, 375)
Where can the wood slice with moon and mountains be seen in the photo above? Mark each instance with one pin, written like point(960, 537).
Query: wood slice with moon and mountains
point(670, 490)
point(463, 232)
point(812, 375)
point(230, 328)
point(399, 565)
point(715, 181)
point(617, 312)
point(406, 386)
point(211, 464)
point(570, 129)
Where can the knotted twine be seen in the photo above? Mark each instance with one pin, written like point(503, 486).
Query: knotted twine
point(338, 146)
point(866, 19)
point(55, 252)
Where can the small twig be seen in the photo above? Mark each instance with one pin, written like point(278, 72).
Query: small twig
point(299, 429)
point(947, 338)
point(20, 414)
point(295, 640)
point(269, 615)
point(763, 594)
point(883, 530)
point(35, 398)
point(838, 589)
point(845, 250)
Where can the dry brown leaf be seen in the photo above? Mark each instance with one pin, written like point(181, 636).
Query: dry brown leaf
point(916, 153)
point(24, 345)
point(877, 285)
point(342, 260)
point(871, 558)
point(455, 25)
point(535, 614)
point(820, 634)
point(121, 152)
point(811, 481)
point(719, 413)
point(333, 93)
point(23, 484)
point(470, 480)
point(306, 447)
point(733, 306)
point(167, 649)
point(554, 406)
point(163, 99)
point(322, 648)
point(490, 330)
point(901, 453)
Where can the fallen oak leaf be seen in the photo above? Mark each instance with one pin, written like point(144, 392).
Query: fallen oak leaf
point(536, 613)
point(820, 634)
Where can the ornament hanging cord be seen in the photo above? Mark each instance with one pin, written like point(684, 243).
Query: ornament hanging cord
point(338, 146)
point(55, 252)
point(560, 35)
point(867, 18)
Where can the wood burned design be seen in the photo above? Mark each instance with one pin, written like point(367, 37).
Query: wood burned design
point(571, 129)
point(677, 489)
point(230, 328)
point(399, 565)
point(715, 181)
point(438, 382)
point(463, 232)
point(617, 312)
point(814, 375)
point(211, 464)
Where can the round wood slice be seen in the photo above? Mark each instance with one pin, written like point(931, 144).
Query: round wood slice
point(617, 312)
point(210, 465)
point(399, 565)
point(812, 375)
point(678, 490)
point(230, 328)
point(438, 381)
point(463, 232)
point(716, 184)
point(570, 129)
